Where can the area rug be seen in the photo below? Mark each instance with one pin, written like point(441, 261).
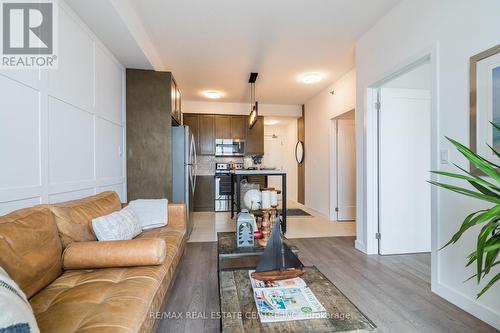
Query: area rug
point(297, 212)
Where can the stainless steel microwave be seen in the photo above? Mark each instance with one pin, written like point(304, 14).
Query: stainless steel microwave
point(229, 147)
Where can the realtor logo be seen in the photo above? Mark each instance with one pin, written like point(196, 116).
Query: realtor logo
point(28, 34)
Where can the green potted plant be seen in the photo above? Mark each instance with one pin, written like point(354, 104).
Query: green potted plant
point(488, 239)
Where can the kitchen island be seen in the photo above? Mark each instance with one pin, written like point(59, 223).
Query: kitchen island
point(237, 175)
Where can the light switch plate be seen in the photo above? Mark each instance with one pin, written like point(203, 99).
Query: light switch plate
point(444, 156)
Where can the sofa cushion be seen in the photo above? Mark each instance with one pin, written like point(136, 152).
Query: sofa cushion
point(110, 299)
point(30, 249)
point(74, 218)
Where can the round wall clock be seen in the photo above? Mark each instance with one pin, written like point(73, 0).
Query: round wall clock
point(299, 152)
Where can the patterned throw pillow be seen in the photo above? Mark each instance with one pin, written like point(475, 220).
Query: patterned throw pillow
point(16, 315)
point(121, 225)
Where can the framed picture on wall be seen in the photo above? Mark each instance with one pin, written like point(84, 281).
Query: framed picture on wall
point(485, 104)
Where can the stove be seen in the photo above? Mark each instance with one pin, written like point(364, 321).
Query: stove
point(223, 184)
point(222, 168)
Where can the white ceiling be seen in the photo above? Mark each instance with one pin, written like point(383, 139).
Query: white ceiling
point(111, 28)
point(215, 44)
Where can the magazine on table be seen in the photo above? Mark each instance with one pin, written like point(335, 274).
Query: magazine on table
point(295, 282)
point(285, 300)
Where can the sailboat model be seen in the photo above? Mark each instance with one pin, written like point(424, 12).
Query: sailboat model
point(277, 262)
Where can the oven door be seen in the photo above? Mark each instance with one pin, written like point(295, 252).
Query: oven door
point(222, 193)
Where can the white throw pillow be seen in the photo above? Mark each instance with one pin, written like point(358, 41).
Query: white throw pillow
point(121, 225)
point(152, 213)
point(16, 314)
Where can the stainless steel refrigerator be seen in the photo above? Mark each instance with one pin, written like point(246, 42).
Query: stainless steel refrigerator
point(184, 169)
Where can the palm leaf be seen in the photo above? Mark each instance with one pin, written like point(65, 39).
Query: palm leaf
point(488, 240)
point(482, 189)
point(473, 276)
point(471, 258)
point(489, 247)
point(494, 151)
point(469, 221)
point(497, 127)
point(470, 178)
point(482, 164)
point(464, 191)
point(481, 241)
point(491, 256)
point(489, 285)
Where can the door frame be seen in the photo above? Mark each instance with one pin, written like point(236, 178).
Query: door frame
point(334, 164)
point(333, 168)
point(372, 199)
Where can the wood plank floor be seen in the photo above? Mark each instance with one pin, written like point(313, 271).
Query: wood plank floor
point(393, 291)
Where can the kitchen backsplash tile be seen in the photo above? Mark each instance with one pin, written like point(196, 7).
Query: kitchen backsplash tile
point(206, 164)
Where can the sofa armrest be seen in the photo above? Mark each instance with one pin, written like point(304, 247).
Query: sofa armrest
point(177, 216)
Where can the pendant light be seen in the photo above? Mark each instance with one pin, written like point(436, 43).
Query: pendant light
point(254, 105)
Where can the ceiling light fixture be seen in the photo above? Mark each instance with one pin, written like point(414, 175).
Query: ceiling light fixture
point(213, 94)
point(271, 122)
point(311, 78)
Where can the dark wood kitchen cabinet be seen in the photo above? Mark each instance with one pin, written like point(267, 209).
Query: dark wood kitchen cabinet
point(191, 120)
point(204, 194)
point(238, 127)
point(208, 127)
point(175, 97)
point(230, 127)
point(206, 135)
point(255, 138)
point(222, 127)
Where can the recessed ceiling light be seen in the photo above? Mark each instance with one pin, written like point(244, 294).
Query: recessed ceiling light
point(311, 78)
point(270, 122)
point(213, 94)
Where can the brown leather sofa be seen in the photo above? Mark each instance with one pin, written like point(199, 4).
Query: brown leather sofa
point(125, 299)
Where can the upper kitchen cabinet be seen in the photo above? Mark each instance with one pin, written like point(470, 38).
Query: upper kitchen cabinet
point(176, 102)
point(192, 120)
point(230, 127)
point(206, 134)
point(222, 127)
point(208, 127)
point(238, 127)
point(255, 137)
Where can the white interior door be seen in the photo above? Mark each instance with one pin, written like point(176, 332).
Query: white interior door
point(346, 170)
point(404, 164)
point(274, 157)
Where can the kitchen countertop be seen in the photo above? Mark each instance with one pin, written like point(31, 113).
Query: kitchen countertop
point(259, 172)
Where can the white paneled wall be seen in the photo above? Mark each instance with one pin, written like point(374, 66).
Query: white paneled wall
point(62, 132)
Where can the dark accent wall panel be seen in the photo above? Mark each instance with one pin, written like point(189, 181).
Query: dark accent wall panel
point(149, 169)
point(301, 168)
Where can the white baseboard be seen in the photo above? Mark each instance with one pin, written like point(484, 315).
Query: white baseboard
point(360, 246)
point(467, 304)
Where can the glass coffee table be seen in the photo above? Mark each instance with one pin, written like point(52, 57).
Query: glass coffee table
point(238, 312)
point(232, 257)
